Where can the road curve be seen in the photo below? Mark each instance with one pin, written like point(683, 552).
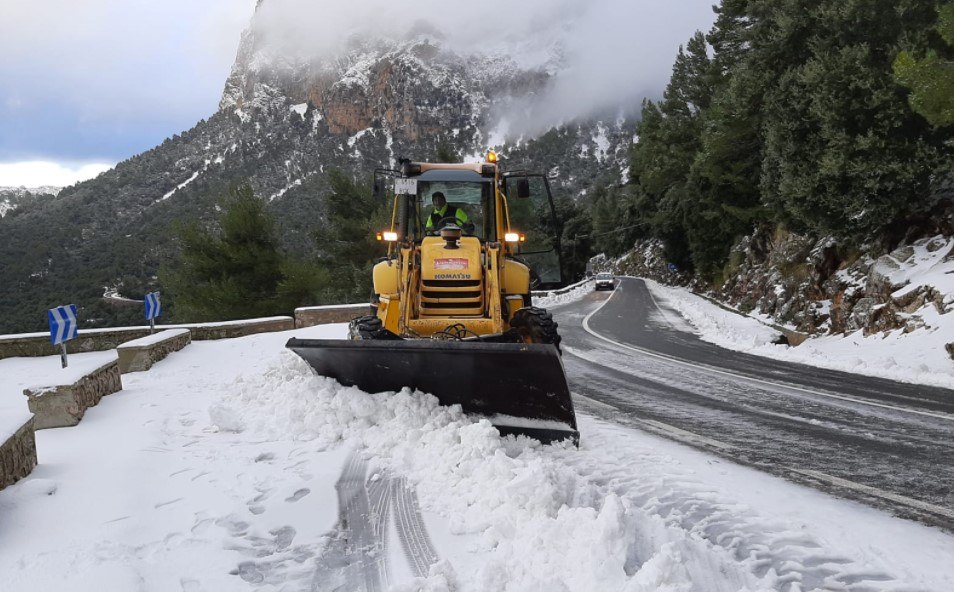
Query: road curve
point(889, 444)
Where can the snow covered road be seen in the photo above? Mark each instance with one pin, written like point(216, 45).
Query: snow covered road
point(885, 443)
point(230, 466)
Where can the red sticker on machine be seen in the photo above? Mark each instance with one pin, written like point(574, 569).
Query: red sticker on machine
point(454, 263)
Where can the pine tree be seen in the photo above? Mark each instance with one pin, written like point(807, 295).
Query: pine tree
point(670, 138)
point(229, 272)
point(445, 151)
point(347, 239)
point(844, 154)
point(931, 78)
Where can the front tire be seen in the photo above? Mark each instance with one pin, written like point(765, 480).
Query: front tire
point(536, 325)
point(363, 328)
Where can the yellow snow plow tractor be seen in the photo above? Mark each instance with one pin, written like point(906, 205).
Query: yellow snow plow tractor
point(452, 305)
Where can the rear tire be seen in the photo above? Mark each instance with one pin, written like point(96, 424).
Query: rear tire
point(367, 327)
point(536, 325)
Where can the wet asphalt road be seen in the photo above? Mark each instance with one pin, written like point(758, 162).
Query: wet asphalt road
point(884, 443)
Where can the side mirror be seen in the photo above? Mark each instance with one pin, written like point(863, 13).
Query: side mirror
point(378, 191)
point(523, 188)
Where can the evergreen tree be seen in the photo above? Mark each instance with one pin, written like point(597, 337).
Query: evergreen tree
point(670, 134)
point(843, 152)
point(931, 78)
point(229, 272)
point(347, 239)
point(445, 151)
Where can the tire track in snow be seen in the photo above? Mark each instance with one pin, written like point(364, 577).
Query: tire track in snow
point(417, 544)
point(356, 558)
point(353, 560)
point(380, 490)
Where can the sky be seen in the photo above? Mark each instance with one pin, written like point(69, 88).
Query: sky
point(85, 85)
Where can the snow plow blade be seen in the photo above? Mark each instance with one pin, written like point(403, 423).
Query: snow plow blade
point(520, 388)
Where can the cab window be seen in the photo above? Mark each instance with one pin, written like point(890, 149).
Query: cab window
point(473, 198)
point(533, 215)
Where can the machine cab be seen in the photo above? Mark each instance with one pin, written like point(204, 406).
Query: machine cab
point(487, 205)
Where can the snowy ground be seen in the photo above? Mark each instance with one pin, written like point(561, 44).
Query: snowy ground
point(917, 357)
point(223, 466)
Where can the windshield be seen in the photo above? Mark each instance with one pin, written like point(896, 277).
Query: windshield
point(467, 205)
point(604, 276)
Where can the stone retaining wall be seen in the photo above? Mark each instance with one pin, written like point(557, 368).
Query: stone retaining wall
point(323, 315)
point(38, 344)
point(18, 455)
point(139, 358)
point(238, 329)
point(64, 405)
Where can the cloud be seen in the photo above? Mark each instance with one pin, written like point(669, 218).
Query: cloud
point(105, 70)
point(43, 173)
point(106, 79)
point(608, 54)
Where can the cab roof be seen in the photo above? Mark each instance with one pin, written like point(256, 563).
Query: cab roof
point(453, 175)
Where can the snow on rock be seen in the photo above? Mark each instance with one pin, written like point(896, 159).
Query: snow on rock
point(300, 109)
point(602, 142)
point(194, 176)
point(929, 264)
point(284, 190)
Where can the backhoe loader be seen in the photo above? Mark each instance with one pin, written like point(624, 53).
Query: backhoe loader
point(452, 306)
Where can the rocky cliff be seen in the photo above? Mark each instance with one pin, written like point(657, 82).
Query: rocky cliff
point(818, 287)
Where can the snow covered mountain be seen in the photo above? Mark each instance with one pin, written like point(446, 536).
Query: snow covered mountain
point(13, 197)
point(283, 122)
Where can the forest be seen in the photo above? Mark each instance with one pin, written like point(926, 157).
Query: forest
point(828, 118)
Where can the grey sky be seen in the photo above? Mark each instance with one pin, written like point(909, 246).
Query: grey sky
point(102, 80)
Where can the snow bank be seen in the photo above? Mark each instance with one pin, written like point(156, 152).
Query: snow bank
point(617, 514)
point(918, 357)
point(575, 292)
point(530, 511)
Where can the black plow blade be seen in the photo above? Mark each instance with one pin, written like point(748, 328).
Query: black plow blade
point(520, 388)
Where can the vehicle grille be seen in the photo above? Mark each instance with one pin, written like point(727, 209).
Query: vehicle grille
point(452, 297)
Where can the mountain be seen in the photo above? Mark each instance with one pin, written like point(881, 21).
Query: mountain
point(13, 197)
point(282, 123)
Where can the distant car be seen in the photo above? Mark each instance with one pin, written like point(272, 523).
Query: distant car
point(605, 281)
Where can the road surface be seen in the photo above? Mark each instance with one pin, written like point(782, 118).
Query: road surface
point(631, 360)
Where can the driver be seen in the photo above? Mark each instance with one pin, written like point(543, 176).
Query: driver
point(444, 210)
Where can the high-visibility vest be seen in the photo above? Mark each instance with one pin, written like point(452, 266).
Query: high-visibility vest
point(448, 211)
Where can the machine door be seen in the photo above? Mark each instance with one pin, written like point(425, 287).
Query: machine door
point(535, 216)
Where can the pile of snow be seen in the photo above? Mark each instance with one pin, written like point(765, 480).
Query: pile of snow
point(916, 357)
point(568, 294)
